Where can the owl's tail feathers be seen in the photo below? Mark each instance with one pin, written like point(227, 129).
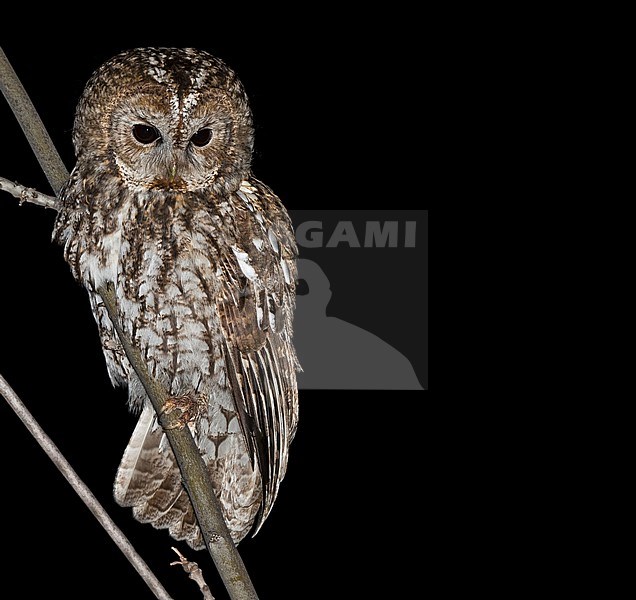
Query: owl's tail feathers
point(149, 481)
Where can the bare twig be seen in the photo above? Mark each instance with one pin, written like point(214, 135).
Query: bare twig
point(195, 573)
point(193, 470)
point(25, 194)
point(32, 125)
point(82, 490)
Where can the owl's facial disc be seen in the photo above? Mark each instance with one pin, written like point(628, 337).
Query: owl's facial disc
point(173, 161)
point(158, 144)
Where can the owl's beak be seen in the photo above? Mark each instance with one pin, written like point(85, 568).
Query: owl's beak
point(173, 171)
point(172, 181)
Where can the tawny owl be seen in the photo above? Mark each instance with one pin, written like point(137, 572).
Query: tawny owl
point(163, 204)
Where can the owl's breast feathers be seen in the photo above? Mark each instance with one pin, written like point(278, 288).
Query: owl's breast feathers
point(206, 290)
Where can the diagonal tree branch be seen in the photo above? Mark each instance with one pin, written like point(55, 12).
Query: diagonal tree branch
point(82, 490)
point(194, 473)
point(32, 125)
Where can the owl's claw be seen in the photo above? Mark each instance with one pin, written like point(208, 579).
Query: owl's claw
point(190, 407)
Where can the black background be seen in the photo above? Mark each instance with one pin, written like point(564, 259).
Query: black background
point(331, 115)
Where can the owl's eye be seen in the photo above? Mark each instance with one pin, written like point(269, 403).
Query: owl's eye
point(202, 137)
point(145, 134)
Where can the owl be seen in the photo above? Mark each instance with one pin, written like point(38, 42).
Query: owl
point(162, 204)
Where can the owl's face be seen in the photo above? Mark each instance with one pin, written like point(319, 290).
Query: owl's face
point(167, 119)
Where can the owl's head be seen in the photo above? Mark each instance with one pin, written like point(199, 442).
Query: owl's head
point(166, 118)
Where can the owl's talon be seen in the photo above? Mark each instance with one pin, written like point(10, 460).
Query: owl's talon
point(190, 406)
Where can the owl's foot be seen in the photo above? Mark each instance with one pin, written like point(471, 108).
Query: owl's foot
point(189, 406)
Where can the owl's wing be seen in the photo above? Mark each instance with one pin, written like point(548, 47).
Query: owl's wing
point(256, 313)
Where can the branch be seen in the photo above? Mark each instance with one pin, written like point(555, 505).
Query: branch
point(196, 479)
point(25, 194)
point(82, 490)
point(195, 476)
point(32, 125)
point(195, 573)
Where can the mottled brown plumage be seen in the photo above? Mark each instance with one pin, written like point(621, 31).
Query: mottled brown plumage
point(202, 255)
